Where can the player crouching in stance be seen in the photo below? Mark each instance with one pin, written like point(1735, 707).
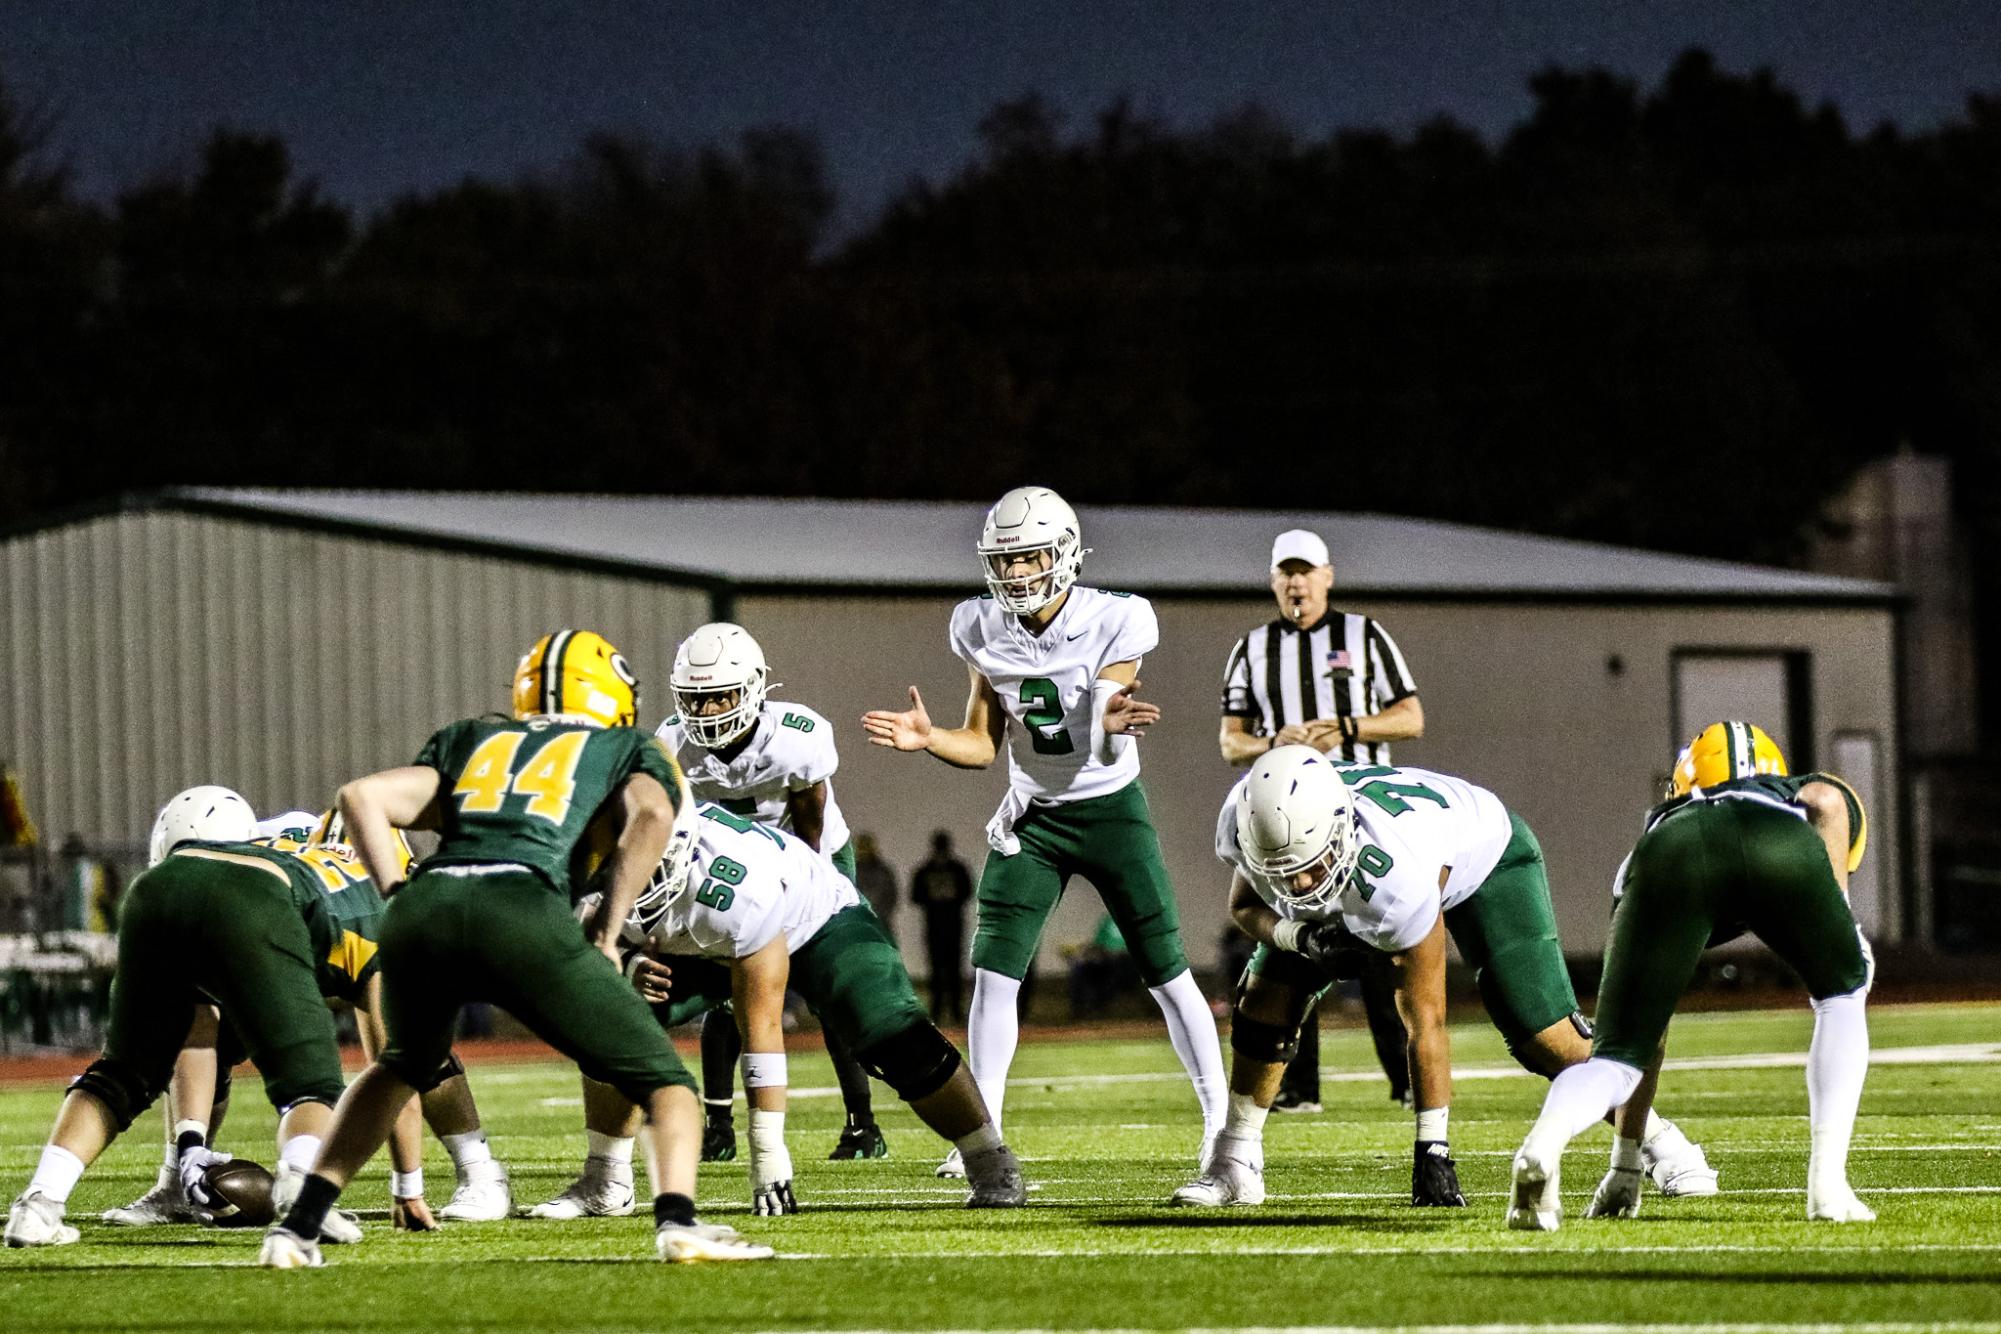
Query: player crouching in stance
point(775, 764)
point(1738, 846)
point(487, 917)
point(266, 930)
point(1054, 667)
point(738, 912)
point(200, 1087)
point(1332, 859)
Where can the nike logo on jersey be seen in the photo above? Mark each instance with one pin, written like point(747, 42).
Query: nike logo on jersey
point(1079, 635)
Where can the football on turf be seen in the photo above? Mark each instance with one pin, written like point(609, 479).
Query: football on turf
point(243, 1191)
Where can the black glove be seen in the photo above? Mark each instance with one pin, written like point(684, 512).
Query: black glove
point(1335, 948)
point(1433, 1181)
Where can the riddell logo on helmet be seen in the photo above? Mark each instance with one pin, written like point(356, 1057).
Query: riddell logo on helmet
point(1006, 538)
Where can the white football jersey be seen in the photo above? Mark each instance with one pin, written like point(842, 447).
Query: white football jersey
point(789, 750)
point(1413, 823)
point(1044, 682)
point(747, 884)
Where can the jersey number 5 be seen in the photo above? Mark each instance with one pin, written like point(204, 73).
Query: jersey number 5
point(547, 777)
point(1041, 692)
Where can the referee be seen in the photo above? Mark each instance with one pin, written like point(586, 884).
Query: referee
point(1333, 680)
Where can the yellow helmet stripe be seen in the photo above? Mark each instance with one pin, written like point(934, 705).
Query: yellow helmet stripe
point(552, 670)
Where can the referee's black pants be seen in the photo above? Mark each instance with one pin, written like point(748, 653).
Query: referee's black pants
point(1302, 1076)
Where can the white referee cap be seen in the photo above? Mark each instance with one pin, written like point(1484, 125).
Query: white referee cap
point(1299, 544)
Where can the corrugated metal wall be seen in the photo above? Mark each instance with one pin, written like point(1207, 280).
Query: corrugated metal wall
point(147, 652)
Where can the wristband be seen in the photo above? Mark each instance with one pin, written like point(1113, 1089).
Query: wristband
point(763, 1069)
point(407, 1185)
point(1286, 935)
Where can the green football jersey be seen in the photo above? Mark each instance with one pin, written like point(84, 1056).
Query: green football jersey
point(332, 890)
point(525, 791)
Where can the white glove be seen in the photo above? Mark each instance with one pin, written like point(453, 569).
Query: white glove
point(770, 1165)
point(1617, 1196)
point(194, 1162)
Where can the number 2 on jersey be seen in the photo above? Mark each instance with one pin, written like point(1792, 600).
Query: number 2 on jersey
point(548, 778)
point(1041, 691)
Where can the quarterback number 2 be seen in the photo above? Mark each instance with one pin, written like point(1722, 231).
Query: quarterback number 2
point(547, 777)
point(718, 890)
point(1041, 692)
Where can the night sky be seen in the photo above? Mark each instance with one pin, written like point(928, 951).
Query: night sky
point(376, 99)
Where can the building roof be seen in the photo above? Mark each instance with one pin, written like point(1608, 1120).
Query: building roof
point(762, 543)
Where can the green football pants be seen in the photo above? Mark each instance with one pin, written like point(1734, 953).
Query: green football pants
point(1110, 841)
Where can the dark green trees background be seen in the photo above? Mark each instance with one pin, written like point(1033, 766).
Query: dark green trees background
point(1678, 317)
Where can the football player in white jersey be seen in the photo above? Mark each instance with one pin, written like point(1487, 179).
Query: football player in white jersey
point(1054, 669)
point(738, 912)
point(774, 763)
point(1331, 859)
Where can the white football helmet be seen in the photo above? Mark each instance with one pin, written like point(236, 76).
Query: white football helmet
point(1296, 817)
point(719, 660)
point(210, 814)
point(1031, 518)
point(670, 877)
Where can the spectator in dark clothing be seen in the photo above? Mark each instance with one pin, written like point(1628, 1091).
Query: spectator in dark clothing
point(875, 880)
point(942, 887)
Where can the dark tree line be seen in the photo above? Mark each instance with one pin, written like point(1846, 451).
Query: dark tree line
point(1679, 317)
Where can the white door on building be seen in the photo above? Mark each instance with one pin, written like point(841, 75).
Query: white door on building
point(1766, 688)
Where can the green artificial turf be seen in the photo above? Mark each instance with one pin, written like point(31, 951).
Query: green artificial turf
point(1108, 1128)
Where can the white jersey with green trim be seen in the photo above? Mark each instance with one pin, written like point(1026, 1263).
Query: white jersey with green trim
point(790, 749)
point(748, 884)
point(1412, 825)
point(1044, 681)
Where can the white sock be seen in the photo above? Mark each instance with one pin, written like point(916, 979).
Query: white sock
point(1245, 1119)
point(1836, 1064)
point(1192, 1030)
point(56, 1175)
point(1578, 1099)
point(617, 1148)
point(993, 1031)
point(1654, 1126)
point(984, 1140)
point(300, 1151)
point(469, 1150)
point(1432, 1123)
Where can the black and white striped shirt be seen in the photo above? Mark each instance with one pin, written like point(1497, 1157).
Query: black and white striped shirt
point(1345, 665)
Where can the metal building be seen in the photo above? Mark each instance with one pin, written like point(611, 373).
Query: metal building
point(284, 641)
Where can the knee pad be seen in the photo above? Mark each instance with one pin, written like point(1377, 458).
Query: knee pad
point(1260, 1041)
point(119, 1087)
point(916, 1062)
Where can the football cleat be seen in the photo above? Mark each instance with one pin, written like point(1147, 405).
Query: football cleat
point(858, 1140)
point(338, 1228)
point(164, 1204)
point(1288, 1101)
point(288, 1250)
point(1617, 1196)
point(603, 1191)
point(996, 1179)
point(37, 1220)
point(1836, 1203)
point(694, 1243)
point(1434, 1177)
point(953, 1168)
point(719, 1140)
point(482, 1196)
point(1533, 1203)
point(1233, 1172)
point(1677, 1166)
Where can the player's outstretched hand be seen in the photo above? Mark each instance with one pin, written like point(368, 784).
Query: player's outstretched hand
point(908, 730)
point(1126, 716)
point(412, 1215)
point(652, 979)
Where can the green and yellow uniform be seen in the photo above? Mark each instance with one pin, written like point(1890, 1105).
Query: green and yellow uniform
point(266, 930)
point(488, 916)
point(1739, 856)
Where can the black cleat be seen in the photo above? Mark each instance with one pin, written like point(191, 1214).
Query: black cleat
point(860, 1139)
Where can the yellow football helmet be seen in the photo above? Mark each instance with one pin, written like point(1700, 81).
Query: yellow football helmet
point(1723, 751)
point(332, 830)
point(578, 673)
